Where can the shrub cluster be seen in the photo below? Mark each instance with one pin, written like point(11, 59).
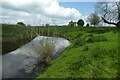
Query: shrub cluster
point(46, 51)
point(98, 30)
point(79, 41)
point(99, 38)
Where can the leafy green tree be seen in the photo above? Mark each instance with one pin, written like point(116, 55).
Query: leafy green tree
point(80, 22)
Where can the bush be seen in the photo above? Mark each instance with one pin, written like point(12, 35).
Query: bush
point(96, 39)
point(47, 51)
point(47, 25)
point(89, 35)
point(99, 52)
point(79, 42)
point(87, 25)
point(86, 47)
point(97, 31)
point(79, 35)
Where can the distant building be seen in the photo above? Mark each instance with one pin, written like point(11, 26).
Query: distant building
point(71, 23)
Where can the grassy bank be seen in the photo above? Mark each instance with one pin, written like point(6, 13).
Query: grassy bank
point(94, 59)
point(93, 51)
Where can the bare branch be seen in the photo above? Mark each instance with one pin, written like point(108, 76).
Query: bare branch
point(108, 21)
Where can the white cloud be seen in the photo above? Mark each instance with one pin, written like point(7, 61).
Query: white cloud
point(37, 12)
point(88, 0)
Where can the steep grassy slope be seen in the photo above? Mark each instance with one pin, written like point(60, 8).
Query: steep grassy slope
point(93, 53)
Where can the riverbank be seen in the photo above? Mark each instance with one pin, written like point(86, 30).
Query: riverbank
point(90, 56)
point(93, 52)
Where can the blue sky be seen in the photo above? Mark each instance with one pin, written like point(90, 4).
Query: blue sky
point(40, 12)
point(85, 8)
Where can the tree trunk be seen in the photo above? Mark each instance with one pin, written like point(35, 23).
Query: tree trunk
point(116, 24)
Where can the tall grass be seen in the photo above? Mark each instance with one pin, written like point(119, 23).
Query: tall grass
point(46, 51)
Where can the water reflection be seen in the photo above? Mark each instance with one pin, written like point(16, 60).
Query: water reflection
point(20, 63)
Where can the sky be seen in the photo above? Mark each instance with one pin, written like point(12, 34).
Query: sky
point(85, 8)
point(39, 12)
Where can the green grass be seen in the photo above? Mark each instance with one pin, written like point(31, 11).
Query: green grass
point(90, 55)
point(99, 61)
point(14, 32)
point(93, 52)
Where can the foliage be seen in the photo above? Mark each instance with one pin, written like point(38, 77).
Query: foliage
point(80, 22)
point(46, 51)
point(99, 38)
point(94, 19)
point(87, 25)
point(47, 25)
point(86, 47)
point(15, 32)
point(93, 60)
point(79, 42)
point(89, 35)
point(90, 60)
point(21, 24)
point(98, 30)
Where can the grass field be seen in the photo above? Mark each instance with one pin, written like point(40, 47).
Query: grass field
point(93, 52)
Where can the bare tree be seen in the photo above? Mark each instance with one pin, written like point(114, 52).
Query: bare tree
point(109, 11)
point(94, 19)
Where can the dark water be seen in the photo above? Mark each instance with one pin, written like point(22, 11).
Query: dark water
point(11, 45)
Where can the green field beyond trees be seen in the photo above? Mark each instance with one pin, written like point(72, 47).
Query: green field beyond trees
point(93, 52)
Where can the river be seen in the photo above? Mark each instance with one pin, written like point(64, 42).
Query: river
point(20, 63)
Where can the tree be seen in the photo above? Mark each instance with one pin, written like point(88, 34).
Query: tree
point(47, 25)
point(21, 24)
point(110, 12)
point(94, 19)
point(80, 22)
point(87, 25)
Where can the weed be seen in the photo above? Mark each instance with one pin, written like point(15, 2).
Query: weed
point(47, 50)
